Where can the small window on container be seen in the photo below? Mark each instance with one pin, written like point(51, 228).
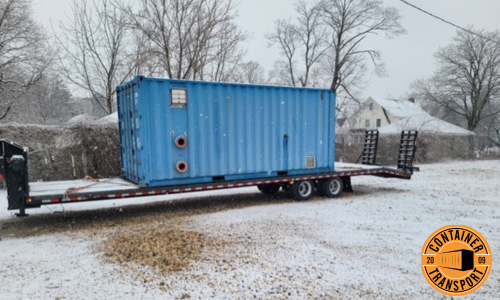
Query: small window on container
point(178, 97)
point(371, 106)
point(379, 123)
point(367, 123)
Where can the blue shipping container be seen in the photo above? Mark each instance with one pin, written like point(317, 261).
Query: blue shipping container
point(184, 132)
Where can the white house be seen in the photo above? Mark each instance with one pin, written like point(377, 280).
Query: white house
point(391, 116)
point(379, 112)
point(425, 123)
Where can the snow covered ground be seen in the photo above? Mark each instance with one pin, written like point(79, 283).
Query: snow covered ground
point(362, 245)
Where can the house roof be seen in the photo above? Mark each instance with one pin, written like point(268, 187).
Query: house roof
point(111, 118)
point(398, 108)
point(424, 122)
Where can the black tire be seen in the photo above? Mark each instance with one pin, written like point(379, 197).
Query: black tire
point(332, 187)
point(269, 189)
point(302, 190)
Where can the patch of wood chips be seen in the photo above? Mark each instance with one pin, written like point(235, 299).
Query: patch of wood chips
point(169, 250)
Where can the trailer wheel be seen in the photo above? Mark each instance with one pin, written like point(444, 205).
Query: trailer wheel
point(332, 187)
point(302, 190)
point(269, 189)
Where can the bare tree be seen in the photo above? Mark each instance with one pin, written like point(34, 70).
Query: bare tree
point(48, 101)
point(495, 129)
point(144, 62)
point(304, 39)
point(22, 52)
point(249, 72)
point(191, 39)
point(490, 127)
point(222, 60)
point(350, 22)
point(466, 84)
point(94, 50)
point(285, 36)
point(329, 34)
point(348, 93)
point(323, 46)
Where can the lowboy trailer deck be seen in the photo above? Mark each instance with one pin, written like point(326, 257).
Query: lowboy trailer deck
point(23, 194)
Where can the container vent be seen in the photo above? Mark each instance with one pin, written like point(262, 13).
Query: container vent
point(310, 162)
point(178, 97)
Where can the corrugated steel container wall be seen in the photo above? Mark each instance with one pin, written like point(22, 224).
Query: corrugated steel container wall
point(238, 131)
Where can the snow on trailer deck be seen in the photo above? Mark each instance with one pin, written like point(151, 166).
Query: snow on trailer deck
point(116, 188)
point(43, 188)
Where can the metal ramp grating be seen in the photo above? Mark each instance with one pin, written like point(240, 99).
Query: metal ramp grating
point(369, 155)
point(407, 148)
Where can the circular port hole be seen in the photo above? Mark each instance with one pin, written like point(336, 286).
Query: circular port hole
point(181, 166)
point(181, 142)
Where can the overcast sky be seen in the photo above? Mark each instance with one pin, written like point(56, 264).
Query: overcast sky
point(407, 57)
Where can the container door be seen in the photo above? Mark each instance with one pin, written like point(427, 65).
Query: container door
point(129, 117)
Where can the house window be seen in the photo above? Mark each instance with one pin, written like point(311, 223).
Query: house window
point(379, 123)
point(178, 97)
point(367, 123)
point(371, 106)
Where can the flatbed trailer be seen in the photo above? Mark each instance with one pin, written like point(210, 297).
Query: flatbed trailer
point(23, 194)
